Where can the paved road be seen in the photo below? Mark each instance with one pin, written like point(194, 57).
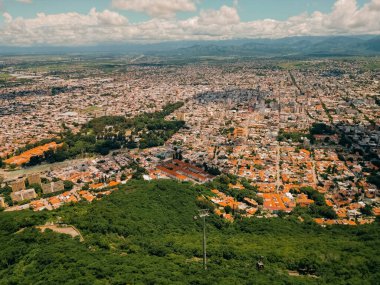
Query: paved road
point(278, 157)
point(315, 180)
point(9, 175)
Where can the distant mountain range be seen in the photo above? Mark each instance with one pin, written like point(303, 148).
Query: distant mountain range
point(285, 47)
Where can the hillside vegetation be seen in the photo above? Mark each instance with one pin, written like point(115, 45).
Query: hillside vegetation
point(145, 233)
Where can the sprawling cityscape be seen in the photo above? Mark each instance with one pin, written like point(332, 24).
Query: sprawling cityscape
point(190, 142)
point(279, 127)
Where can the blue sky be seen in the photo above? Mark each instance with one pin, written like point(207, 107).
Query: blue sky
point(248, 9)
point(95, 21)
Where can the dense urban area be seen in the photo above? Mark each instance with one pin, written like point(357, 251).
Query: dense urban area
point(288, 133)
point(270, 147)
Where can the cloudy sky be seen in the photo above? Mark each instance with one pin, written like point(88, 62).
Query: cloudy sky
point(87, 22)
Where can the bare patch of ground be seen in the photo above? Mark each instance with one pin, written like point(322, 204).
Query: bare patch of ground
point(68, 230)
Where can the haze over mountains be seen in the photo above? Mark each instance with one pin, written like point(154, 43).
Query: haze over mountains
point(285, 47)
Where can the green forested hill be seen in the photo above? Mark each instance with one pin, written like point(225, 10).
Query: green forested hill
point(145, 234)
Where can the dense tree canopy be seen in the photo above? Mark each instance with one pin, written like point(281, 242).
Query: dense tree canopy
point(321, 129)
point(146, 233)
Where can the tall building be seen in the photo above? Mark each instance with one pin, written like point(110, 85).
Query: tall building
point(34, 179)
point(23, 195)
point(181, 116)
point(240, 132)
point(18, 185)
point(53, 187)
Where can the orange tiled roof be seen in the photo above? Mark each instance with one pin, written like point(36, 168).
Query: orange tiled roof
point(54, 200)
point(27, 155)
point(113, 183)
point(72, 199)
point(96, 186)
point(376, 211)
point(319, 221)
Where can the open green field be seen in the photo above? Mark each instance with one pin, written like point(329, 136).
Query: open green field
point(4, 76)
point(372, 64)
point(91, 109)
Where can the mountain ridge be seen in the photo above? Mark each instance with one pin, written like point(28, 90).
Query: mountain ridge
point(301, 45)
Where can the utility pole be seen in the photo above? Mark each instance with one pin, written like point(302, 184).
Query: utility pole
point(203, 214)
point(204, 244)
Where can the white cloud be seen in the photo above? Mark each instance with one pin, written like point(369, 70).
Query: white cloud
point(222, 17)
point(160, 8)
point(108, 26)
point(25, 1)
point(7, 17)
point(62, 29)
